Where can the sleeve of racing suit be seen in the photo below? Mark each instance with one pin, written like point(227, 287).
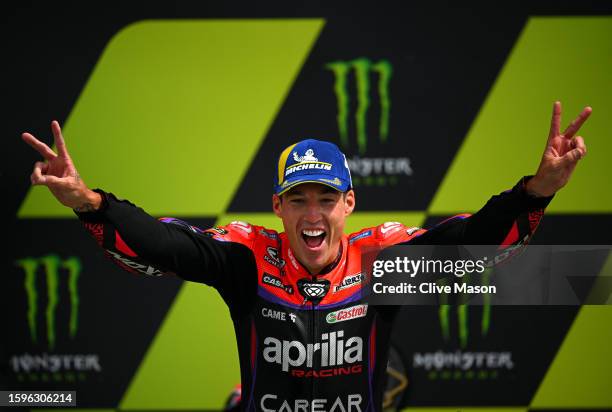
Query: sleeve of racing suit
point(509, 218)
point(139, 243)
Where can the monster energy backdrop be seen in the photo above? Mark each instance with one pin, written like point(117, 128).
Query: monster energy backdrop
point(183, 108)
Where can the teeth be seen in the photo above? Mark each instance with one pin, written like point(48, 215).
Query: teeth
point(313, 232)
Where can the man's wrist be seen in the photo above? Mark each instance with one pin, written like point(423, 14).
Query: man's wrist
point(534, 189)
point(92, 202)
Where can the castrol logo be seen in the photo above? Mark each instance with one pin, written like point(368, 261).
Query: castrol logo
point(341, 315)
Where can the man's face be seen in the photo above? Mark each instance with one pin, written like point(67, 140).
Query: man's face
point(313, 217)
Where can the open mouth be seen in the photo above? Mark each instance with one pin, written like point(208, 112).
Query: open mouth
point(313, 237)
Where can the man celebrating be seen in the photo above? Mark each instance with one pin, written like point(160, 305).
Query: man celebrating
point(307, 338)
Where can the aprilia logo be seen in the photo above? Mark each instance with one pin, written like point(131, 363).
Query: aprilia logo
point(333, 351)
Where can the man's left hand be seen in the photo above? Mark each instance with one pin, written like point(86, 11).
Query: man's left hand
point(563, 151)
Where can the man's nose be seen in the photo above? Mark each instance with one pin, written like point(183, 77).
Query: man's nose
point(313, 212)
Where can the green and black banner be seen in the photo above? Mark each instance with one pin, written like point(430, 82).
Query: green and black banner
point(183, 109)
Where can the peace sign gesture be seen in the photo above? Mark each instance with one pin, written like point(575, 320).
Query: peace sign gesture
point(59, 174)
point(562, 153)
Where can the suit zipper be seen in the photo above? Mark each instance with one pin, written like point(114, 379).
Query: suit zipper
point(314, 339)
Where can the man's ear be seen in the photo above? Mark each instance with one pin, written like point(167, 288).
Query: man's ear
point(349, 202)
point(277, 205)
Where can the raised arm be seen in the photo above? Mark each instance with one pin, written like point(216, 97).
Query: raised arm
point(512, 217)
point(136, 241)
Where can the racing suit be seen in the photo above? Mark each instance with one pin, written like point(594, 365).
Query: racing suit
point(305, 342)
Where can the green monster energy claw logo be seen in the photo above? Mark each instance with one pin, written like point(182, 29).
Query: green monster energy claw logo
point(362, 68)
point(444, 314)
point(461, 364)
point(52, 265)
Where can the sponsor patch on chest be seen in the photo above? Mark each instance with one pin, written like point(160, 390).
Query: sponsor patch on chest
point(354, 312)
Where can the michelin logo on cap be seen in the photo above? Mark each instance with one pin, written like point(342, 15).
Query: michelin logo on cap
point(306, 162)
point(320, 162)
point(308, 157)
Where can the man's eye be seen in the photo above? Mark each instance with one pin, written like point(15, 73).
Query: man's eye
point(296, 201)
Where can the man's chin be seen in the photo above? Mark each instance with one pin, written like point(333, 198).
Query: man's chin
point(314, 259)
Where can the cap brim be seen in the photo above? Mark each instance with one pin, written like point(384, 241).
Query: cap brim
point(322, 179)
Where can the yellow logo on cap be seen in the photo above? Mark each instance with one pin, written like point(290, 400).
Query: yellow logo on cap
point(336, 181)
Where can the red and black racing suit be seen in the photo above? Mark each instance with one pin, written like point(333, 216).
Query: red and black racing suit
point(305, 342)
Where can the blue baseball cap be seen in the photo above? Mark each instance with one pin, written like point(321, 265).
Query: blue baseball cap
point(312, 161)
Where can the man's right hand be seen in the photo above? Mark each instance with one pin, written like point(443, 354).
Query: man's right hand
point(59, 174)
